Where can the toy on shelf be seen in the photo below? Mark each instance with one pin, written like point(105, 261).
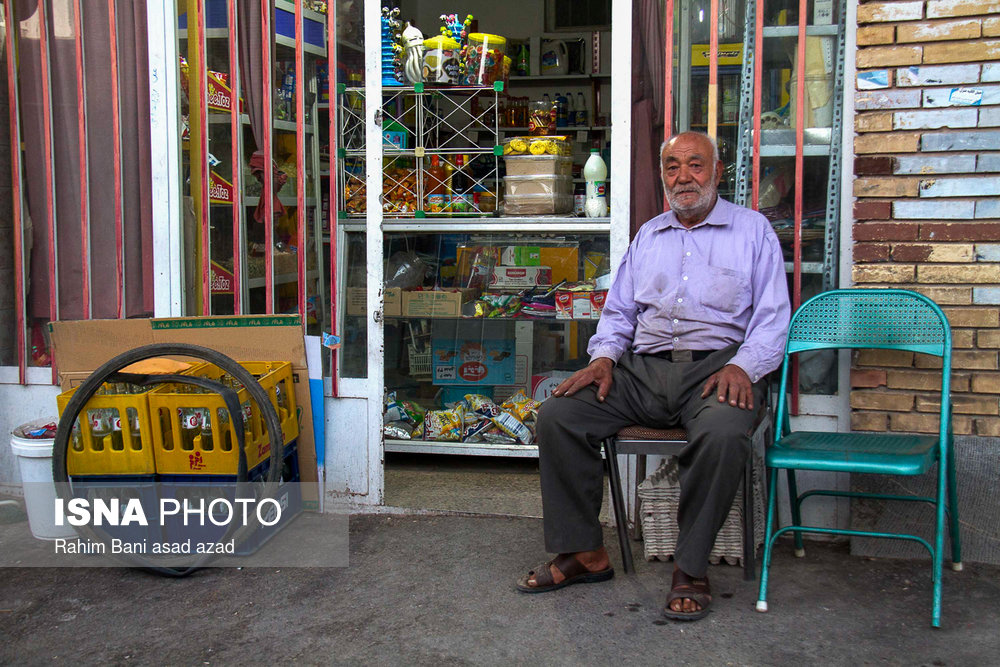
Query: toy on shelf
point(452, 28)
point(391, 49)
point(413, 53)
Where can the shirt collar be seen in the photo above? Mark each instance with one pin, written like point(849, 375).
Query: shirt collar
point(718, 216)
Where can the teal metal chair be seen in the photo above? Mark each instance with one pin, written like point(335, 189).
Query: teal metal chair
point(889, 319)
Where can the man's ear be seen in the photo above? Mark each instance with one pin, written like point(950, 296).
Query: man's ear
point(720, 169)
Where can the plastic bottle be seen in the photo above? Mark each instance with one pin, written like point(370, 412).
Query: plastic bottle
point(581, 110)
point(523, 59)
point(434, 186)
point(562, 117)
point(596, 173)
point(570, 110)
point(461, 187)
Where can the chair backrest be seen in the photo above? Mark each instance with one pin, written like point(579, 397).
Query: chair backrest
point(892, 319)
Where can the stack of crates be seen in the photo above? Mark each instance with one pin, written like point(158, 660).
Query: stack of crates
point(171, 442)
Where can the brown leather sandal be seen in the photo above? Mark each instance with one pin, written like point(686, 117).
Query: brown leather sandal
point(684, 587)
point(573, 570)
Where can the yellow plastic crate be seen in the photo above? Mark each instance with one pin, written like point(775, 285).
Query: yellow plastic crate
point(176, 454)
point(124, 451)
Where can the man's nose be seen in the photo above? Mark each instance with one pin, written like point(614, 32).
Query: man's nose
point(683, 174)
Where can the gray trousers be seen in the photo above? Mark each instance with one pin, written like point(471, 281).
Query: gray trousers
point(658, 393)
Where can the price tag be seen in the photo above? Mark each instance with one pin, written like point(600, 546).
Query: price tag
point(581, 136)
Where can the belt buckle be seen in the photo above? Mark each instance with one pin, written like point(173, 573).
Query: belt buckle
point(681, 355)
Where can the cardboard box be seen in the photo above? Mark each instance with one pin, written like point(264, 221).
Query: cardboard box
point(80, 347)
point(564, 261)
point(564, 305)
point(597, 299)
point(521, 255)
point(520, 277)
point(582, 305)
point(438, 303)
point(473, 361)
point(357, 303)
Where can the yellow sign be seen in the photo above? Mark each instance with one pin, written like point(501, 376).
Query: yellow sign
point(729, 54)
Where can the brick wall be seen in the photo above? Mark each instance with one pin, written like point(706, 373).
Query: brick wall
point(927, 213)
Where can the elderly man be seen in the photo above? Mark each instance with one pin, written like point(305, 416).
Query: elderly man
point(696, 318)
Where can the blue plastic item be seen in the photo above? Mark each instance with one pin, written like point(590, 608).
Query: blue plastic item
point(888, 319)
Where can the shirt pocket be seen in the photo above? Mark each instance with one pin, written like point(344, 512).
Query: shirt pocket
point(726, 290)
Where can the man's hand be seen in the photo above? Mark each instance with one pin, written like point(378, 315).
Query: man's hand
point(732, 384)
point(598, 372)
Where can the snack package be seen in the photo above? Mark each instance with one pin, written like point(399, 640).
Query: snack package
point(398, 430)
point(474, 426)
point(521, 406)
point(443, 425)
point(495, 436)
point(538, 145)
point(394, 410)
point(513, 427)
point(482, 406)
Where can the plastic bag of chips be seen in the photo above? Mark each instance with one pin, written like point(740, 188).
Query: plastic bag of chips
point(398, 430)
point(443, 425)
point(481, 405)
point(513, 427)
point(521, 406)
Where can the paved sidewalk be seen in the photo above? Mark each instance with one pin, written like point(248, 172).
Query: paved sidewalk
point(433, 590)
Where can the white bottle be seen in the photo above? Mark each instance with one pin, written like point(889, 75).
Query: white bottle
point(581, 110)
point(595, 172)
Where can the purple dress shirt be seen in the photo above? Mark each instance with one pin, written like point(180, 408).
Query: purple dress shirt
point(705, 288)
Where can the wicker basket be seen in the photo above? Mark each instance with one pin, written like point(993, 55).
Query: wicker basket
point(659, 494)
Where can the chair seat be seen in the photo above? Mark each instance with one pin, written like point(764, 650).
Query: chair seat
point(880, 453)
point(646, 433)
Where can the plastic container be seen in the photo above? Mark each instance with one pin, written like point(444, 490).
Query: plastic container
point(550, 204)
point(537, 185)
point(34, 459)
point(212, 450)
point(441, 60)
point(538, 145)
point(596, 173)
point(542, 116)
point(539, 165)
point(483, 60)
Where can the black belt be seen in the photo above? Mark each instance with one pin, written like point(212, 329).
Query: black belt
point(683, 355)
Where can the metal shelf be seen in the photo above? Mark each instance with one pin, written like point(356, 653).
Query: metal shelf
point(284, 199)
point(468, 448)
point(793, 30)
point(282, 125)
point(556, 77)
point(545, 224)
point(280, 279)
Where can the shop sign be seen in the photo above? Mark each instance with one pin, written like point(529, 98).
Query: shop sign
point(220, 191)
point(222, 279)
point(729, 54)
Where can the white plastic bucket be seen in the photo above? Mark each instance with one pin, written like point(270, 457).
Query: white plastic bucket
point(34, 458)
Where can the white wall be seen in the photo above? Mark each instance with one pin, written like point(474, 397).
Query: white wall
point(21, 403)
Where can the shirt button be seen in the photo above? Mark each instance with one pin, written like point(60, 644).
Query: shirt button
point(680, 300)
point(685, 277)
point(675, 321)
point(676, 339)
point(688, 254)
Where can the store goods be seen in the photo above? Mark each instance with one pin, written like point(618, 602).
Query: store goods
point(570, 110)
point(523, 60)
point(579, 200)
point(538, 145)
point(541, 117)
point(443, 425)
point(413, 53)
point(390, 46)
point(538, 185)
point(516, 205)
point(461, 188)
point(435, 186)
point(482, 405)
point(581, 110)
point(398, 430)
point(441, 60)
point(555, 57)
point(562, 110)
point(482, 59)
point(538, 165)
point(521, 406)
point(596, 172)
point(520, 277)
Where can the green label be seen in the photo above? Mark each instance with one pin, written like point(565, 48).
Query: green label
point(225, 322)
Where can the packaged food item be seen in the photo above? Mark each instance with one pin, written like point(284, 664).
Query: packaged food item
point(538, 185)
point(495, 436)
point(482, 59)
point(513, 427)
point(521, 406)
point(552, 204)
point(481, 405)
point(474, 427)
point(441, 63)
point(399, 430)
point(541, 117)
point(443, 425)
point(537, 165)
point(538, 145)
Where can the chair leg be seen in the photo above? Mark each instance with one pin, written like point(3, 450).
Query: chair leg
point(793, 497)
point(772, 486)
point(618, 504)
point(749, 542)
point(956, 538)
point(640, 474)
point(938, 556)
